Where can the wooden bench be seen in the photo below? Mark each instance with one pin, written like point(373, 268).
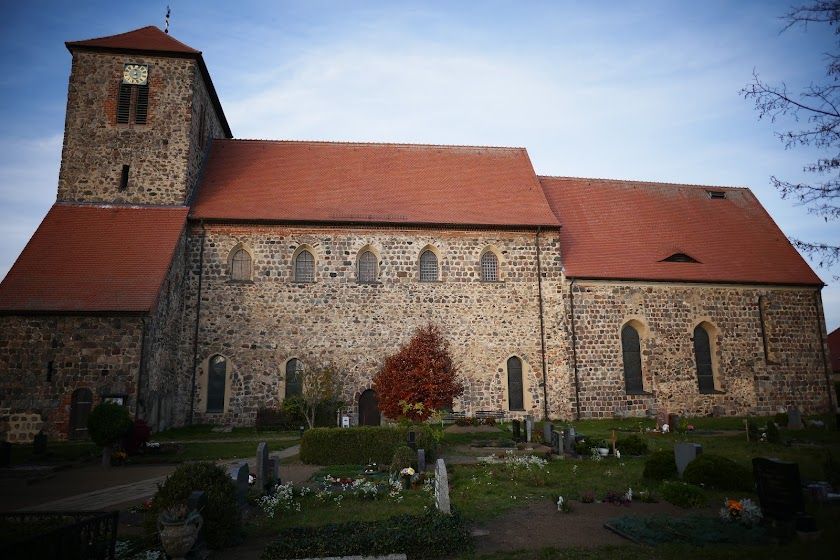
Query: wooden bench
point(452, 417)
point(494, 414)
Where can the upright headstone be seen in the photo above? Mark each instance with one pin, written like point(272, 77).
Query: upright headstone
point(421, 460)
point(718, 411)
point(794, 419)
point(262, 473)
point(239, 474)
point(39, 443)
point(517, 433)
point(442, 487)
point(274, 469)
point(661, 418)
point(674, 422)
point(779, 488)
point(556, 442)
point(529, 428)
point(684, 453)
point(196, 502)
point(569, 439)
point(548, 427)
point(412, 439)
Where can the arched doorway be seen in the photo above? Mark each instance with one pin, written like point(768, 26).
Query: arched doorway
point(80, 404)
point(368, 409)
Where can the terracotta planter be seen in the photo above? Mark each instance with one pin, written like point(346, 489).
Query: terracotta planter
point(178, 538)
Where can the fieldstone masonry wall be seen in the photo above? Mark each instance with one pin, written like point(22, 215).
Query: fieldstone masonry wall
point(749, 382)
point(261, 324)
point(99, 353)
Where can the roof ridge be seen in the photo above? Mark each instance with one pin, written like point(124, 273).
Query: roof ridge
point(358, 143)
point(664, 183)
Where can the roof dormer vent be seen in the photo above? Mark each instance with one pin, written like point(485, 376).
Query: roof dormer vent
point(716, 194)
point(680, 258)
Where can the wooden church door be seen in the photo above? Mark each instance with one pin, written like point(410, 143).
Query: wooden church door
point(369, 409)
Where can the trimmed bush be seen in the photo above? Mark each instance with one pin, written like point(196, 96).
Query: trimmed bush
point(660, 465)
point(360, 445)
point(404, 457)
point(222, 519)
point(773, 434)
point(432, 535)
point(632, 445)
point(684, 495)
point(781, 419)
point(715, 471)
point(108, 423)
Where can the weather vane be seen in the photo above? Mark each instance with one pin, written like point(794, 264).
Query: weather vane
point(166, 27)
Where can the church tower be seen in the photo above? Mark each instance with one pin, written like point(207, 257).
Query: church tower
point(141, 115)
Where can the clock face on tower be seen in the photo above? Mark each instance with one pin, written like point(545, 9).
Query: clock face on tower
point(135, 74)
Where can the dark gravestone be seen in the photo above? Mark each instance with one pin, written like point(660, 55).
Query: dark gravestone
point(196, 502)
point(40, 443)
point(674, 422)
point(684, 453)
point(5, 454)
point(421, 460)
point(556, 442)
point(517, 430)
point(412, 439)
point(239, 474)
point(548, 427)
point(569, 440)
point(794, 419)
point(661, 419)
point(779, 488)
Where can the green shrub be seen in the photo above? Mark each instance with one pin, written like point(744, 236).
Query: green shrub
point(660, 465)
point(773, 434)
point(715, 471)
point(108, 423)
point(632, 445)
point(404, 456)
point(360, 445)
point(582, 447)
point(781, 419)
point(222, 519)
point(431, 535)
point(683, 495)
point(752, 430)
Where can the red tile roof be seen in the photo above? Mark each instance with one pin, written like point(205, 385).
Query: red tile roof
point(148, 38)
point(373, 183)
point(624, 229)
point(834, 349)
point(94, 258)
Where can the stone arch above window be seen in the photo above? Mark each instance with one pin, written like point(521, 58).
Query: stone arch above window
point(367, 265)
point(704, 338)
point(241, 264)
point(489, 262)
point(429, 265)
point(304, 264)
point(294, 378)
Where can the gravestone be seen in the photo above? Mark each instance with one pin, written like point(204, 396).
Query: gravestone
point(556, 442)
point(239, 474)
point(794, 419)
point(779, 488)
point(569, 439)
point(274, 469)
point(442, 487)
point(718, 411)
point(412, 439)
point(684, 453)
point(421, 460)
point(39, 443)
point(262, 473)
point(661, 418)
point(517, 434)
point(529, 428)
point(674, 422)
point(548, 427)
point(196, 502)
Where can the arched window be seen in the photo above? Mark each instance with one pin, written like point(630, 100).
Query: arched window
point(428, 266)
point(514, 372)
point(703, 357)
point(632, 353)
point(240, 265)
point(294, 378)
point(489, 267)
point(367, 267)
point(304, 267)
point(216, 379)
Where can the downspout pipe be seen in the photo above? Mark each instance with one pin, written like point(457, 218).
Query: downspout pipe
point(574, 347)
point(197, 322)
point(542, 326)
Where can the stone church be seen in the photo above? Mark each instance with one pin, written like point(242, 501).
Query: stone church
point(194, 277)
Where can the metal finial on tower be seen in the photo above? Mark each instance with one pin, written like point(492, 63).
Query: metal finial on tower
point(166, 28)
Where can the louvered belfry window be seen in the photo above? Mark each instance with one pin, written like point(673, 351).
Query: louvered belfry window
point(304, 267)
point(367, 267)
point(428, 267)
point(489, 267)
point(133, 104)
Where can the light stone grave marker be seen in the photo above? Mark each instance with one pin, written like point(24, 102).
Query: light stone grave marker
point(442, 487)
point(529, 428)
point(569, 439)
point(548, 427)
point(794, 419)
point(684, 453)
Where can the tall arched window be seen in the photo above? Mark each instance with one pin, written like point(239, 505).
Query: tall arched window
point(489, 267)
point(216, 379)
point(703, 357)
point(514, 372)
point(304, 267)
point(367, 267)
point(240, 265)
point(428, 266)
point(632, 354)
point(294, 378)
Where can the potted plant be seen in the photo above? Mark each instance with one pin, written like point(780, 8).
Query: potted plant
point(178, 528)
point(107, 424)
point(405, 477)
point(601, 446)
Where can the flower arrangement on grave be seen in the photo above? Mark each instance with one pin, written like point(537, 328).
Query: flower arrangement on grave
point(371, 468)
point(563, 505)
point(405, 477)
point(743, 511)
point(118, 457)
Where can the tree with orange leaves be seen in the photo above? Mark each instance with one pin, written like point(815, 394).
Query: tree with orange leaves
point(419, 379)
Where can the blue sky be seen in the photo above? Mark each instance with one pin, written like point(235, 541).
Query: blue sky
point(645, 90)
